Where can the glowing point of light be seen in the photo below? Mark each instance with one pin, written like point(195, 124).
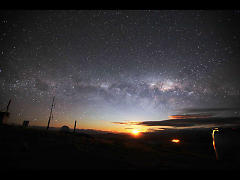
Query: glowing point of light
point(135, 132)
point(214, 146)
point(175, 140)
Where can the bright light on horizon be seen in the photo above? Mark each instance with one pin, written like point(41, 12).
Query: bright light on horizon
point(175, 140)
point(135, 132)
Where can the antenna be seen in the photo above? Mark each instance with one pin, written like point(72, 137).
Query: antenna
point(74, 126)
point(51, 116)
point(9, 102)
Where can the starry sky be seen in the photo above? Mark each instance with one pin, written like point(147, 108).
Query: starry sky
point(105, 67)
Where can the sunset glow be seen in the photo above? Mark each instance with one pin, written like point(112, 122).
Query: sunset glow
point(135, 132)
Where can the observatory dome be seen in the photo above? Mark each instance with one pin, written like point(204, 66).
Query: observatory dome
point(65, 129)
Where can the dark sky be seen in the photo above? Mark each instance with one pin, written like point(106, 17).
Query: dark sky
point(109, 66)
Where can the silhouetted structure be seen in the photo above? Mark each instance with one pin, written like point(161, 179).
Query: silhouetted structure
point(25, 123)
point(65, 129)
point(51, 115)
point(5, 115)
point(74, 126)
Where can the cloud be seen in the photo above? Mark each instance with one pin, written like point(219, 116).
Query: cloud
point(192, 116)
point(195, 122)
point(127, 123)
point(189, 121)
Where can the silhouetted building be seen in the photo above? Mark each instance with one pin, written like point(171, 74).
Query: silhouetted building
point(65, 129)
point(25, 123)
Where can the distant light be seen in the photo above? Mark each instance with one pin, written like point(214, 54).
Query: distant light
point(135, 132)
point(175, 140)
point(213, 137)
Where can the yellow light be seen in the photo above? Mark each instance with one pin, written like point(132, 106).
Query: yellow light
point(135, 132)
point(175, 140)
point(213, 137)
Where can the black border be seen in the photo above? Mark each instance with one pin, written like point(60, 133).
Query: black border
point(119, 5)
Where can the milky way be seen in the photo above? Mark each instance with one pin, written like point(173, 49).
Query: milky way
point(117, 65)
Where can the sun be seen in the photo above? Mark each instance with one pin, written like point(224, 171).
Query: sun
point(135, 132)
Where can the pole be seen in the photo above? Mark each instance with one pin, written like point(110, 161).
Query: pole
point(74, 126)
point(50, 116)
point(8, 105)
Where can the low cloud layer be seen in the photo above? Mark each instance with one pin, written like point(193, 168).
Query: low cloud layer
point(191, 116)
point(207, 122)
point(189, 121)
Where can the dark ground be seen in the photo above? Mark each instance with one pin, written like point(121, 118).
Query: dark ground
point(34, 149)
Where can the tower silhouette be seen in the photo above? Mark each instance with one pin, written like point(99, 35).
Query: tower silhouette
point(74, 126)
point(51, 112)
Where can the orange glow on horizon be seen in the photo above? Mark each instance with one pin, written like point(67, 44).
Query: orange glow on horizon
point(135, 132)
point(175, 140)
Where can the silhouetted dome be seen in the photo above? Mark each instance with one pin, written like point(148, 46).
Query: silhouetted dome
point(64, 129)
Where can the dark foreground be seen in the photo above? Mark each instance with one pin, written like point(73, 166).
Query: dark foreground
point(33, 149)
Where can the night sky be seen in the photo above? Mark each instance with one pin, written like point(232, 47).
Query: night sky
point(105, 67)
